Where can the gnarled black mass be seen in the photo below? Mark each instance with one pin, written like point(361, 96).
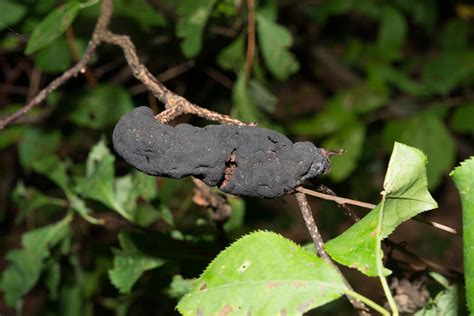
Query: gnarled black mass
point(264, 163)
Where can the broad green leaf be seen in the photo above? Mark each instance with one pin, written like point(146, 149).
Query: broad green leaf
point(446, 71)
point(463, 176)
point(101, 107)
point(99, 183)
point(140, 11)
point(193, 15)
point(392, 33)
point(129, 264)
point(52, 26)
point(37, 144)
point(461, 121)
point(232, 57)
point(351, 139)
point(26, 264)
point(337, 114)
point(250, 277)
point(405, 195)
point(427, 132)
point(54, 58)
point(11, 12)
point(275, 41)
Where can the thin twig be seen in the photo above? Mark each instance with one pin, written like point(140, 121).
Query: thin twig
point(319, 243)
point(250, 37)
point(341, 201)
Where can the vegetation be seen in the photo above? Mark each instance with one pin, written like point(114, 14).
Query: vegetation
point(389, 82)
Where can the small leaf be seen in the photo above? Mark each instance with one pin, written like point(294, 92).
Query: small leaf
point(11, 12)
point(392, 33)
point(140, 11)
point(461, 121)
point(255, 273)
point(129, 264)
point(336, 114)
point(26, 264)
point(427, 132)
point(446, 303)
point(463, 176)
point(180, 286)
point(351, 139)
point(101, 107)
point(244, 109)
point(232, 57)
point(405, 195)
point(37, 144)
point(261, 97)
point(274, 41)
point(52, 26)
point(193, 15)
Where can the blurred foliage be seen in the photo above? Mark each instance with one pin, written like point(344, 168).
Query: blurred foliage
point(85, 234)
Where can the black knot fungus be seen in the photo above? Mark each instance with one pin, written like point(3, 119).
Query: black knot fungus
point(241, 160)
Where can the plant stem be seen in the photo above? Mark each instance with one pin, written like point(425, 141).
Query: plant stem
point(368, 302)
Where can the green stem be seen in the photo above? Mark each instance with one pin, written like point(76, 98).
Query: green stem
point(379, 263)
point(368, 302)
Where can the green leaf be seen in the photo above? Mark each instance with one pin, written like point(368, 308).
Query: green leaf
point(52, 26)
point(351, 139)
point(405, 195)
point(232, 57)
point(336, 114)
point(140, 11)
point(446, 302)
point(244, 109)
point(101, 107)
point(463, 176)
point(461, 121)
point(193, 15)
point(249, 277)
point(261, 97)
point(129, 264)
point(446, 71)
point(274, 41)
point(11, 135)
point(37, 144)
point(455, 34)
point(11, 12)
point(180, 286)
point(52, 168)
point(392, 33)
point(427, 132)
point(99, 183)
point(26, 264)
point(54, 58)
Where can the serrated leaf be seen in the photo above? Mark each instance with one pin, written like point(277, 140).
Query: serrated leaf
point(463, 176)
point(129, 264)
point(25, 264)
point(265, 274)
point(52, 26)
point(10, 13)
point(275, 41)
point(193, 15)
point(99, 183)
point(446, 303)
point(405, 195)
point(427, 132)
point(351, 139)
point(101, 107)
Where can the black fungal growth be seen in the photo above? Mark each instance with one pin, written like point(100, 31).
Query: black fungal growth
point(241, 160)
